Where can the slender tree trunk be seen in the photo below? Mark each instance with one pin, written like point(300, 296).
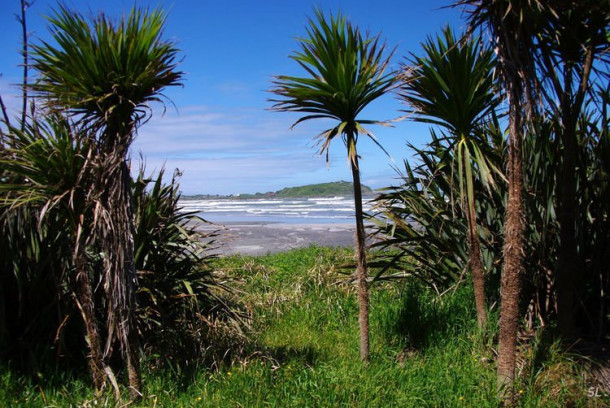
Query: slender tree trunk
point(24, 51)
point(131, 340)
point(566, 268)
point(476, 267)
point(361, 269)
point(117, 242)
point(513, 256)
point(85, 301)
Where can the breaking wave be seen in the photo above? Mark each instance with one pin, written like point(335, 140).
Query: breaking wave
point(287, 211)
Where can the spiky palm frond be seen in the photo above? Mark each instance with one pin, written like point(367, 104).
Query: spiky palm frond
point(452, 86)
point(347, 71)
point(101, 69)
point(449, 85)
point(45, 166)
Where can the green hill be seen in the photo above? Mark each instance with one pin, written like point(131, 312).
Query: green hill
point(337, 188)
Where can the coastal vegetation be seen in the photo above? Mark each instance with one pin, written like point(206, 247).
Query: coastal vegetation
point(301, 349)
point(486, 283)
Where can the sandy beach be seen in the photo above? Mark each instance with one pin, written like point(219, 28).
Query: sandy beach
point(262, 238)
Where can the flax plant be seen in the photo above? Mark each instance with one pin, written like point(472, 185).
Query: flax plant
point(422, 234)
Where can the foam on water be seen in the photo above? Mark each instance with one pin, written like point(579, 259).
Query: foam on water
point(320, 210)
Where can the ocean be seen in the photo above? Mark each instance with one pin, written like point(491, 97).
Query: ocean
point(322, 210)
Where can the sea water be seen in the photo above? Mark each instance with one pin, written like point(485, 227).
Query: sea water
point(317, 210)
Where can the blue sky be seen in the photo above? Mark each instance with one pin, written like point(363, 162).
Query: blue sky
point(219, 131)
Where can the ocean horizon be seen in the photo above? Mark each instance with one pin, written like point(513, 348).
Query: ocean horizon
point(311, 210)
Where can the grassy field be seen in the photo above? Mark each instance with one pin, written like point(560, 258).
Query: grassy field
point(302, 350)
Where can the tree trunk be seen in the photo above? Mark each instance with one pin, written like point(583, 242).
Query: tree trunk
point(361, 269)
point(116, 232)
point(566, 268)
point(513, 257)
point(85, 302)
point(478, 275)
point(476, 266)
point(131, 339)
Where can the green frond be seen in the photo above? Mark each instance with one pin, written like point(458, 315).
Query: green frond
point(453, 86)
point(45, 164)
point(346, 71)
point(100, 69)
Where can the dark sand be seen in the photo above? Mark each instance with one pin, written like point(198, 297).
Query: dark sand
point(260, 239)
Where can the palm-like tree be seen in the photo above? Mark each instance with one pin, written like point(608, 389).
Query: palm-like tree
point(574, 37)
point(105, 74)
point(452, 86)
point(512, 26)
point(347, 71)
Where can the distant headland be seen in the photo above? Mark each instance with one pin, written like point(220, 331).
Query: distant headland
point(336, 188)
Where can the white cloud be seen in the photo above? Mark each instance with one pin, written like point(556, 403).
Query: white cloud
point(209, 131)
point(230, 150)
point(233, 87)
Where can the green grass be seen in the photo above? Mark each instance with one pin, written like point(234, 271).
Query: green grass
point(303, 349)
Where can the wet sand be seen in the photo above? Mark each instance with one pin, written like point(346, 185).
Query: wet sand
point(260, 239)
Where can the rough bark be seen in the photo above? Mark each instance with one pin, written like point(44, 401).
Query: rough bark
point(115, 228)
point(85, 301)
point(478, 274)
point(476, 267)
point(513, 258)
point(361, 269)
point(121, 282)
point(131, 337)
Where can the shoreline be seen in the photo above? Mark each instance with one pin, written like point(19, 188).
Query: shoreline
point(260, 238)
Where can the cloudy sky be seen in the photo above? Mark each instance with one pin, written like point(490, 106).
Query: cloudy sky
point(219, 131)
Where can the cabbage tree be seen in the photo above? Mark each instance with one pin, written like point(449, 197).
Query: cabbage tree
point(452, 86)
point(345, 71)
point(105, 74)
point(512, 26)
